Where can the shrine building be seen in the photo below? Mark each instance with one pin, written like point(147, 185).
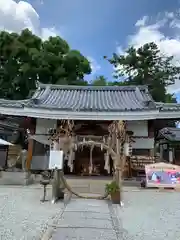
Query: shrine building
point(92, 108)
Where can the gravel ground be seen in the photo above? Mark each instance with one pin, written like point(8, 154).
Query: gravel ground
point(146, 214)
point(22, 215)
point(150, 215)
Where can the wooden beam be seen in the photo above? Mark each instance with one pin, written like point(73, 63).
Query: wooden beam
point(29, 154)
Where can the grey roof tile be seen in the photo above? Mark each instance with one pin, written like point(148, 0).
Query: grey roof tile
point(93, 98)
point(14, 103)
point(167, 107)
point(171, 134)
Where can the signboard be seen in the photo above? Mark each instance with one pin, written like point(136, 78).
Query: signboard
point(162, 175)
point(56, 159)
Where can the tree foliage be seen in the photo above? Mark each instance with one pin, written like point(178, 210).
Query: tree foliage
point(147, 66)
point(26, 59)
point(100, 81)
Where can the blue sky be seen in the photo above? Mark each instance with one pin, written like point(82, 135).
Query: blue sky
point(99, 27)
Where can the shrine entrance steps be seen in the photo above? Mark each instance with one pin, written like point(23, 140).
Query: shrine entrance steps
point(95, 184)
point(88, 184)
point(80, 184)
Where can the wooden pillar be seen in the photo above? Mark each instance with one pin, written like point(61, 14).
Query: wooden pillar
point(151, 124)
point(29, 154)
point(151, 128)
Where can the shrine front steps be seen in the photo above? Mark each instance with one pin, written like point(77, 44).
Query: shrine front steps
point(79, 185)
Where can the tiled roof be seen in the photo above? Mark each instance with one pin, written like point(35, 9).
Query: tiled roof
point(14, 103)
point(171, 134)
point(167, 107)
point(91, 98)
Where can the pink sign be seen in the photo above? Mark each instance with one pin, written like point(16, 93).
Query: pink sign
point(162, 175)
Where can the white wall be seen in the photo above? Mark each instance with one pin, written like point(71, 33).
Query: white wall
point(143, 143)
point(42, 125)
point(140, 129)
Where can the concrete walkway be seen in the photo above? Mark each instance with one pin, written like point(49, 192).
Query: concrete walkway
point(87, 219)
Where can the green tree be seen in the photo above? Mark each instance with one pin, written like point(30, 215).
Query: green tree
point(100, 81)
point(26, 59)
point(147, 66)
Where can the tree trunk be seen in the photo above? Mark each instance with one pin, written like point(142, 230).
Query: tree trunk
point(118, 174)
point(57, 187)
point(118, 171)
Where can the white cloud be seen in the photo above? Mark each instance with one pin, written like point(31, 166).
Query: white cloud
point(170, 15)
point(154, 33)
point(14, 17)
point(94, 65)
point(46, 32)
point(39, 2)
point(142, 21)
point(120, 50)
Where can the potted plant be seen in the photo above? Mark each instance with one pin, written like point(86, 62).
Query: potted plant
point(113, 190)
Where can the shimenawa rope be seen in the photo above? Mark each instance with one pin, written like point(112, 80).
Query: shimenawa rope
point(66, 186)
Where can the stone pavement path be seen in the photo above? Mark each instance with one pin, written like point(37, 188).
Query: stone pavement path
point(87, 219)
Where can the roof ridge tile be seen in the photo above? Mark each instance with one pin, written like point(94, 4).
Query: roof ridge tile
point(95, 88)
